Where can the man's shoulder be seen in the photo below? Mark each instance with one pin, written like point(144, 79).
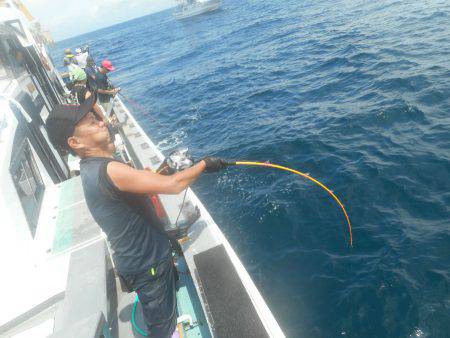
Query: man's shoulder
point(96, 159)
point(88, 163)
point(116, 169)
point(95, 168)
point(100, 77)
point(99, 74)
point(101, 162)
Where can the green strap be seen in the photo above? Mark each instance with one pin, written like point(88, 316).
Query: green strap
point(133, 318)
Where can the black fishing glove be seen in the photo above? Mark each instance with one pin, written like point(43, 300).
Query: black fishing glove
point(214, 164)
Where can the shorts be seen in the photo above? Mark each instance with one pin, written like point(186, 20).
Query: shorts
point(156, 290)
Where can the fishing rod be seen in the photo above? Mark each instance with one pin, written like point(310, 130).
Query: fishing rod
point(180, 159)
point(304, 175)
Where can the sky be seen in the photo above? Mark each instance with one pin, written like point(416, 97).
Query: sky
point(67, 18)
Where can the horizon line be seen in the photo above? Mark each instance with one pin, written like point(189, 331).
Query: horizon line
point(115, 24)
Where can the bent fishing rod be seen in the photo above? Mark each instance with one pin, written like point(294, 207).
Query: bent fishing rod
point(304, 175)
point(180, 159)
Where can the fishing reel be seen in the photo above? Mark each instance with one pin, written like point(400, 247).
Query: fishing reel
point(178, 160)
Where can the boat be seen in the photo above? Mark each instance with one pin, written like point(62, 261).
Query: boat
point(57, 275)
point(190, 8)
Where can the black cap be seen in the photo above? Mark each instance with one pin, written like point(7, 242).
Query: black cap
point(63, 118)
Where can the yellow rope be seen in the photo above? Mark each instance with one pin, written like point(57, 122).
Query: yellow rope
point(276, 166)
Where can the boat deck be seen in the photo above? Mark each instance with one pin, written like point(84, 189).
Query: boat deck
point(216, 296)
point(66, 229)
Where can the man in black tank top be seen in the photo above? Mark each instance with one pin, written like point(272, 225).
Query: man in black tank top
point(117, 196)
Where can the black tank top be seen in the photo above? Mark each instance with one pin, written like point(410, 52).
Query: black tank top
point(134, 232)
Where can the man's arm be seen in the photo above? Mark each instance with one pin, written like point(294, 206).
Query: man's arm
point(108, 91)
point(96, 108)
point(146, 182)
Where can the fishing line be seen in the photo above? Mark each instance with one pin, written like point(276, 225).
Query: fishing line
point(141, 108)
point(307, 176)
point(181, 207)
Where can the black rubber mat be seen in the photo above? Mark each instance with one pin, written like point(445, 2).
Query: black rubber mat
point(231, 309)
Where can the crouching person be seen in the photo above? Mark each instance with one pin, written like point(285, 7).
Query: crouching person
point(117, 197)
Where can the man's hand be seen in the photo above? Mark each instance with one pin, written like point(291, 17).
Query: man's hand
point(214, 164)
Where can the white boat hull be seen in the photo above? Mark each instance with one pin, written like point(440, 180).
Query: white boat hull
point(197, 10)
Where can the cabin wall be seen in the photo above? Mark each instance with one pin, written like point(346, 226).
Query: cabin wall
point(15, 235)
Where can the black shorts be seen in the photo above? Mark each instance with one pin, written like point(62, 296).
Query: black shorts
point(156, 289)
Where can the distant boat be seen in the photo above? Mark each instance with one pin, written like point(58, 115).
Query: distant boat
point(189, 8)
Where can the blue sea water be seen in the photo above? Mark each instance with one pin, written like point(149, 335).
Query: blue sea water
point(356, 93)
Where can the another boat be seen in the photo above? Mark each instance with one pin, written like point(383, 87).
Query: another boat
point(189, 8)
point(57, 276)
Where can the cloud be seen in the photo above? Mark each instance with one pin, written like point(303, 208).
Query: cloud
point(70, 18)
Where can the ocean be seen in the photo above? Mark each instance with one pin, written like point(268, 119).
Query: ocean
point(355, 93)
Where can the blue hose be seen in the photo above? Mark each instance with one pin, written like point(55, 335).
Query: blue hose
point(133, 319)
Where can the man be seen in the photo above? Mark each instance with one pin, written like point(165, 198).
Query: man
point(71, 63)
point(81, 58)
point(104, 88)
point(81, 91)
point(117, 196)
point(90, 68)
point(69, 57)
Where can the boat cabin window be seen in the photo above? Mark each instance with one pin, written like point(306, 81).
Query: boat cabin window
point(3, 69)
point(32, 107)
point(12, 61)
point(27, 180)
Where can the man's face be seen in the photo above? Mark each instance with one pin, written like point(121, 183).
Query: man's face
point(90, 133)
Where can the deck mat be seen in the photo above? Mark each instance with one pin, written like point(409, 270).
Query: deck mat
point(231, 309)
